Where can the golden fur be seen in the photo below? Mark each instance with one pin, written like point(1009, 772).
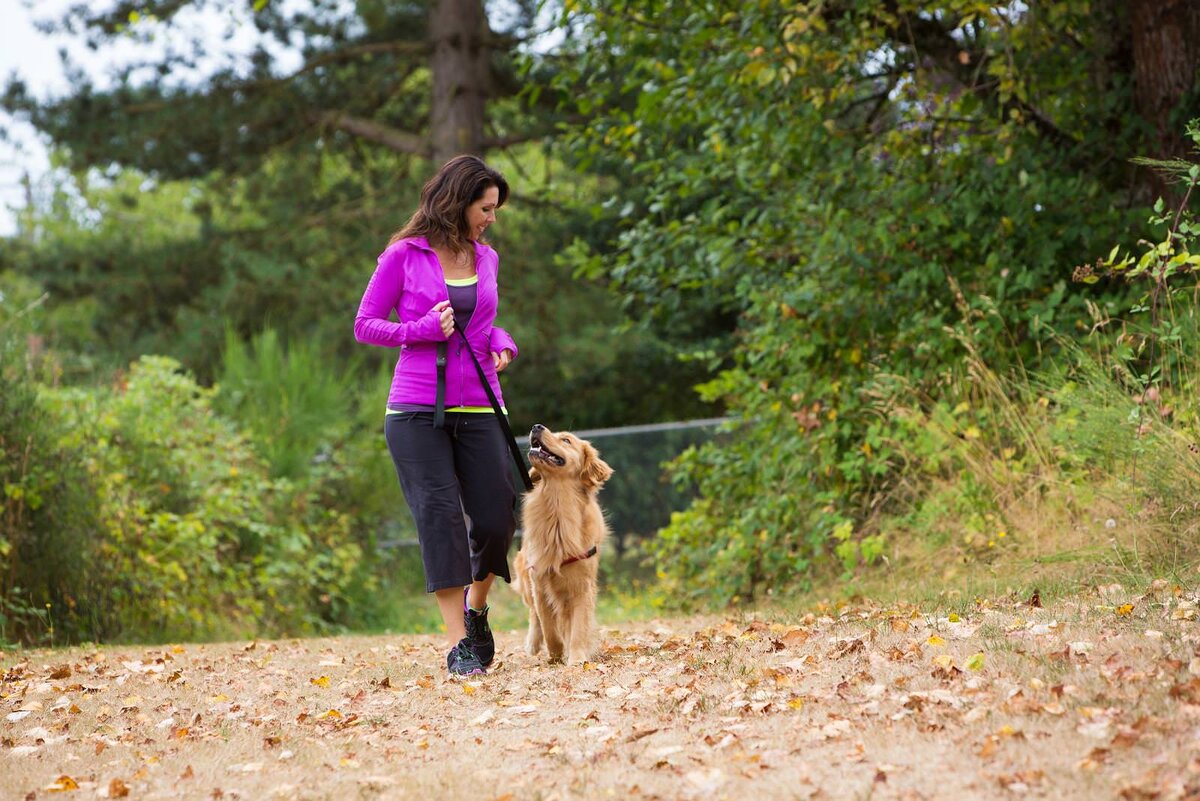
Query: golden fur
point(561, 519)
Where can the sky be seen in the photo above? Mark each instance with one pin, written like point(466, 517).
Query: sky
point(34, 57)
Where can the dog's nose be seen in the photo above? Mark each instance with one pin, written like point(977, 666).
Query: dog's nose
point(537, 428)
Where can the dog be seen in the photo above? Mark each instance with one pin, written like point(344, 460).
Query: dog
point(556, 568)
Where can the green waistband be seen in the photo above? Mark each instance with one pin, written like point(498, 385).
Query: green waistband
point(466, 409)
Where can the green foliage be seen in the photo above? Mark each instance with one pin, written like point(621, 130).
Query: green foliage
point(1155, 348)
point(291, 405)
point(135, 510)
point(198, 540)
point(46, 516)
point(856, 195)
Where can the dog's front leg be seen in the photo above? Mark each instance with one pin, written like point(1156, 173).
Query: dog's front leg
point(580, 626)
point(534, 639)
point(548, 624)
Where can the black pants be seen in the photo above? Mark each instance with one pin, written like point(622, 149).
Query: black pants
point(463, 467)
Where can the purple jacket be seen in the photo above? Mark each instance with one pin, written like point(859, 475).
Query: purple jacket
point(408, 280)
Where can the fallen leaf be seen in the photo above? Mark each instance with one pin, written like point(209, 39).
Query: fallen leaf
point(637, 735)
point(794, 636)
point(62, 784)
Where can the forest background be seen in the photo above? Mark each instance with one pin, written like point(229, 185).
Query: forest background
point(931, 259)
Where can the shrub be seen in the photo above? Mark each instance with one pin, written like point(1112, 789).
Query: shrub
point(47, 525)
point(197, 539)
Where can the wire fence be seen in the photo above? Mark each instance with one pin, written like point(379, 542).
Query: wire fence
point(639, 498)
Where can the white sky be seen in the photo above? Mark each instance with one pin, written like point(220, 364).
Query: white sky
point(34, 57)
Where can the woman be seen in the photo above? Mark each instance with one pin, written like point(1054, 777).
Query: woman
point(449, 450)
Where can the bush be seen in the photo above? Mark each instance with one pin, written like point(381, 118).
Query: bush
point(48, 530)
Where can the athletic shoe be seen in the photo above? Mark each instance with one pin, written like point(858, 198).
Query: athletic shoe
point(479, 634)
point(461, 661)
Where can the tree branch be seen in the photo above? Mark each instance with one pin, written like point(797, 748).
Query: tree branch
point(400, 141)
point(931, 37)
point(501, 142)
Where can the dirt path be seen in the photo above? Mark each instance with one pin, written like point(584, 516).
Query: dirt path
point(1093, 697)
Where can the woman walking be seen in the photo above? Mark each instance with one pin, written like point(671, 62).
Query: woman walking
point(451, 456)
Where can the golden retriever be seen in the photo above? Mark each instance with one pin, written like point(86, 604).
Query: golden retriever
point(555, 570)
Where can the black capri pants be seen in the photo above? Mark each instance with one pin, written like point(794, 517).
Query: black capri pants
point(463, 467)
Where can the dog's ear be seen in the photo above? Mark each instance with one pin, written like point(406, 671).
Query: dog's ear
point(595, 470)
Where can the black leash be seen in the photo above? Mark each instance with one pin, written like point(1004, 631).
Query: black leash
point(439, 413)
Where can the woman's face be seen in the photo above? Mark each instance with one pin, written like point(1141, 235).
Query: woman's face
point(482, 212)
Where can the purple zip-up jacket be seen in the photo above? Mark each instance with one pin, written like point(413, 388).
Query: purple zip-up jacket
point(408, 279)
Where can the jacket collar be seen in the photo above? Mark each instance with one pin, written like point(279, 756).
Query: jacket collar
point(423, 244)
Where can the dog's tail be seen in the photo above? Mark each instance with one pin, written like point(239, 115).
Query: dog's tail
point(518, 573)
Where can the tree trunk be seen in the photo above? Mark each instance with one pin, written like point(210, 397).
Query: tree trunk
point(461, 69)
point(1166, 55)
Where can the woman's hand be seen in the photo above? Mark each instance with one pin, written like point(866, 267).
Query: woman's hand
point(502, 359)
point(446, 318)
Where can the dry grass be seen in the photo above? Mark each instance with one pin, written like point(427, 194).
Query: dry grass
point(1094, 696)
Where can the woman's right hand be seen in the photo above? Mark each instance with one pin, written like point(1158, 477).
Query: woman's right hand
point(445, 317)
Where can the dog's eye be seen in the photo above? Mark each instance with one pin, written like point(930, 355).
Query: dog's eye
point(565, 438)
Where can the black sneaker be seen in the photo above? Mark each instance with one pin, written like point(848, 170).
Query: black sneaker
point(461, 661)
point(479, 634)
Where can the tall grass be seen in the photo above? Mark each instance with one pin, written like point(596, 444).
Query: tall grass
point(47, 523)
point(292, 402)
point(1072, 474)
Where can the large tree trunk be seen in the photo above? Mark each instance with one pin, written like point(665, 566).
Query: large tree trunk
point(461, 72)
point(1166, 55)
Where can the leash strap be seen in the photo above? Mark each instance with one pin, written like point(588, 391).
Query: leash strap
point(439, 408)
point(439, 412)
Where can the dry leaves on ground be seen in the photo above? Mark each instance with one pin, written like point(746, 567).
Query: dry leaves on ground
point(1093, 697)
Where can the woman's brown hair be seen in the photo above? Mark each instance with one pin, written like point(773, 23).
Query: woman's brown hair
point(441, 215)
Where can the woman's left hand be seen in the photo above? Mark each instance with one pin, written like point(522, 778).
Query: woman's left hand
point(502, 359)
